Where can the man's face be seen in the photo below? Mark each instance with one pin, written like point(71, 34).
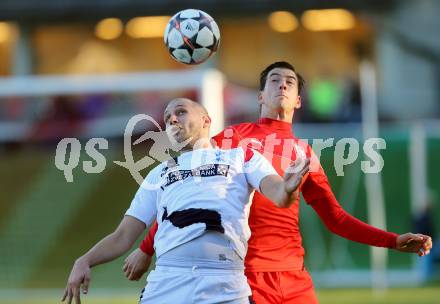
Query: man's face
point(281, 90)
point(183, 121)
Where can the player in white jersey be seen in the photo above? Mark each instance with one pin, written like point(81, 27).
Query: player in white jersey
point(201, 203)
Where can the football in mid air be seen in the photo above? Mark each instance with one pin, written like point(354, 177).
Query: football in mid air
point(192, 36)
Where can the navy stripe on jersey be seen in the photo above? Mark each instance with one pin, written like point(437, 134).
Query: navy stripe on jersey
point(211, 218)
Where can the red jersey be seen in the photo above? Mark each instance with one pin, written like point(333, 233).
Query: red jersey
point(275, 243)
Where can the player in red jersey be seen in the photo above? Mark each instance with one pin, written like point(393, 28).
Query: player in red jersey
point(275, 259)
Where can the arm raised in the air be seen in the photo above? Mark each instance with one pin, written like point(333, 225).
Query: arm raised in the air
point(318, 194)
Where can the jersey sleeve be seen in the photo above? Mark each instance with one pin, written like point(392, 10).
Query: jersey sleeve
point(147, 244)
point(317, 192)
point(256, 167)
point(343, 224)
point(144, 204)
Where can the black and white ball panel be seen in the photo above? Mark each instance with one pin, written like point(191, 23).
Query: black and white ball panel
point(192, 36)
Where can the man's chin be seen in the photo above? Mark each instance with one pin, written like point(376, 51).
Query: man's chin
point(285, 103)
point(179, 142)
point(282, 99)
point(176, 139)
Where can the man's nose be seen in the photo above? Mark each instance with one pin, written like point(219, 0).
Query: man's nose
point(283, 85)
point(173, 119)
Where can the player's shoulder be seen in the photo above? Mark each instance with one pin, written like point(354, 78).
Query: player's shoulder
point(230, 152)
point(152, 180)
point(232, 135)
point(157, 171)
point(243, 127)
point(239, 131)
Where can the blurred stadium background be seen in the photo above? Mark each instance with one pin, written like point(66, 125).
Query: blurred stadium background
point(84, 68)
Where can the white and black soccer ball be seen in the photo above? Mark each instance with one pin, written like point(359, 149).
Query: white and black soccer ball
point(192, 36)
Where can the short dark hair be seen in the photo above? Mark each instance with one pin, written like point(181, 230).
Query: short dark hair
point(282, 65)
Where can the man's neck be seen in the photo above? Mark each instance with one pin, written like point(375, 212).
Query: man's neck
point(203, 143)
point(281, 115)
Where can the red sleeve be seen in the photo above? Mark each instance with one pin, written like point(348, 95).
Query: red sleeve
point(147, 244)
point(317, 192)
point(343, 224)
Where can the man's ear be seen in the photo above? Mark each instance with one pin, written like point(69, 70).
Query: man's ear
point(298, 103)
point(260, 97)
point(206, 121)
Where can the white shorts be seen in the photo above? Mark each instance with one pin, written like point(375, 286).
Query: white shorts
point(194, 285)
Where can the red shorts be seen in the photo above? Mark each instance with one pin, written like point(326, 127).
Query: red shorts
point(284, 287)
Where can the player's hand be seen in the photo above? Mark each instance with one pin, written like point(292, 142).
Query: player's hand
point(80, 275)
point(416, 243)
point(136, 264)
point(295, 174)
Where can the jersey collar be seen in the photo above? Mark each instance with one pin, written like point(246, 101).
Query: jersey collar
point(274, 124)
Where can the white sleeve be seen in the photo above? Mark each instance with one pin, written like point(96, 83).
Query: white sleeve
point(257, 168)
point(144, 204)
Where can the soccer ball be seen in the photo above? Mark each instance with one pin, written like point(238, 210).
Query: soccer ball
point(192, 36)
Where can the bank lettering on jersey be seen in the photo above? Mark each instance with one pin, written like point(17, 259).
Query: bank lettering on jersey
point(202, 171)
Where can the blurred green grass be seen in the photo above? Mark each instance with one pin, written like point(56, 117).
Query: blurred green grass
point(393, 296)
point(326, 296)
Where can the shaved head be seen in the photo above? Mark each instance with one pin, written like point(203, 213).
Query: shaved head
point(192, 103)
point(185, 120)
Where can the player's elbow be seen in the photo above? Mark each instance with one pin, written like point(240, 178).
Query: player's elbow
point(332, 228)
point(123, 238)
point(335, 224)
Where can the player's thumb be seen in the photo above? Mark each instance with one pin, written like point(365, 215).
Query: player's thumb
point(422, 237)
point(416, 237)
point(292, 169)
point(85, 285)
point(407, 237)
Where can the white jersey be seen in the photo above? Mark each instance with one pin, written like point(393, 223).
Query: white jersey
point(205, 189)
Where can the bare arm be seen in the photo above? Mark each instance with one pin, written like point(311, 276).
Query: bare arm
point(109, 248)
point(136, 264)
point(283, 191)
point(115, 244)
